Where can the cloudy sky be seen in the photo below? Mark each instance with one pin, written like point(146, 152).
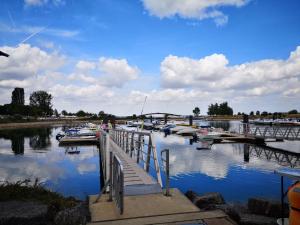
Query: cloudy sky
point(109, 54)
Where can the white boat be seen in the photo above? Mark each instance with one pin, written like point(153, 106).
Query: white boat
point(187, 131)
point(207, 135)
point(177, 128)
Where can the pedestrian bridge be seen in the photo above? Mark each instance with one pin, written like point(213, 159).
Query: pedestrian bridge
point(271, 132)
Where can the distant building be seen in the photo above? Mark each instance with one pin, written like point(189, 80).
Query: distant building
point(17, 97)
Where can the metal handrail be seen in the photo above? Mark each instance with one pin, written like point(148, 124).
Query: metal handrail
point(133, 143)
point(167, 169)
point(117, 182)
point(284, 132)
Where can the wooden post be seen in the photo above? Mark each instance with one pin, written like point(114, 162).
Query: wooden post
point(166, 118)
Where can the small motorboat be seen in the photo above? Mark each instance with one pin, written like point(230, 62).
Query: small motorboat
point(188, 131)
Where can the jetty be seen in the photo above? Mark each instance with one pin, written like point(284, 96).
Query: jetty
point(133, 191)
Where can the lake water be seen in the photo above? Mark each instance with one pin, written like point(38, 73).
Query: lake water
point(238, 171)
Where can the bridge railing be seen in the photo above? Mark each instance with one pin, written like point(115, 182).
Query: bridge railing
point(282, 158)
point(139, 146)
point(277, 132)
point(165, 158)
point(116, 192)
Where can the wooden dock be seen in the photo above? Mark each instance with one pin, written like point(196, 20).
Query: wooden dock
point(141, 195)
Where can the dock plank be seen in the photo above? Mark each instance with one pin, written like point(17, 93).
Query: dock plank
point(151, 209)
point(133, 173)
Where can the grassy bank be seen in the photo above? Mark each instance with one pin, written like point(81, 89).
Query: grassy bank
point(36, 194)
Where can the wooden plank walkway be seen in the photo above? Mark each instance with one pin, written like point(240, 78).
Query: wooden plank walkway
point(153, 209)
point(136, 180)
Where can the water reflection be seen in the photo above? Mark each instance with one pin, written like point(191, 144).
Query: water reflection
point(34, 153)
point(185, 159)
point(39, 138)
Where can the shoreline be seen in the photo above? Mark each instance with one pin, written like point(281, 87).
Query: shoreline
point(44, 123)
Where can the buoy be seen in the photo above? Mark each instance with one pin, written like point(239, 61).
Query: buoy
point(294, 200)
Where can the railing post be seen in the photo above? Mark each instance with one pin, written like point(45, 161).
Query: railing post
point(132, 144)
point(110, 176)
point(148, 154)
point(167, 173)
point(139, 146)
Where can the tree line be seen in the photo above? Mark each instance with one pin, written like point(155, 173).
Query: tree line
point(39, 104)
point(224, 109)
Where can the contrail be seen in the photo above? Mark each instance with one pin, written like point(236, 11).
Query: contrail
point(11, 19)
point(32, 35)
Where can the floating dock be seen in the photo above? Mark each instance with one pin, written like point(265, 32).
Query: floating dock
point(153, 209)
point(69, 140)
point(137, 197)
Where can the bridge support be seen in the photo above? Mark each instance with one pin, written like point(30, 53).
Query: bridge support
point(166, 118)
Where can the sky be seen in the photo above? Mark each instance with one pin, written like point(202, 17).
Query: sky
point(111, 54)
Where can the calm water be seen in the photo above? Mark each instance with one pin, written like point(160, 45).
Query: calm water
point(238, 171)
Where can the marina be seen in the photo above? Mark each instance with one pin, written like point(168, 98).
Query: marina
point(215, 155)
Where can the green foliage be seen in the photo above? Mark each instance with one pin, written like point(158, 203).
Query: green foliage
point(294, 111)
point(196, 111)
point(222, 109)
point(81, 113)
point(64, 112)
point(251, 113)
point(41, 102)
point(264, 113)
point(134, 117)
point(21, 190)
point(257, 113)
point(101, 115)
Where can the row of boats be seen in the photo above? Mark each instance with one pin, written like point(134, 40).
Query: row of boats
point(87, 132)
point(206, 133)
point(90, 132)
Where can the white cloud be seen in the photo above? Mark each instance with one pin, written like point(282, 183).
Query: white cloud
point(213, 73)
point(43, 2)
point(85, 65)
point(192, 9)
point(26, 61)
point(117, 71)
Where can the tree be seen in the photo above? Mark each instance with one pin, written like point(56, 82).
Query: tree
point(196, 111)
point(222, 109)
point(64, 112)
point(101, 114)
point(294, 111)
point(17, 96)
point(264, 113)
point(257, 113)
point(41, 101)
point(134, 117)
point(56, 113)
point(251, 113)
point(80, 113)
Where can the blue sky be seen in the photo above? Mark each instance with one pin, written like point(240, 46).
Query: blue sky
point(178, 53)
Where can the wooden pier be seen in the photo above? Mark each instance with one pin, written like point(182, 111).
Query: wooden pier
point(133, 196)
